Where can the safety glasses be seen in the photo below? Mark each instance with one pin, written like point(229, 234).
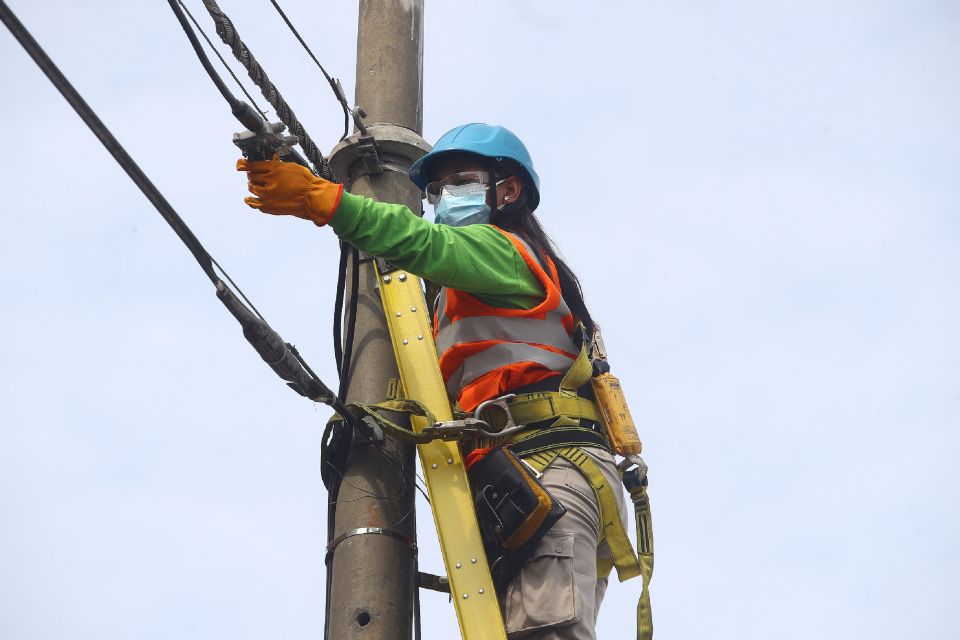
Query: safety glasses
point(468, 181)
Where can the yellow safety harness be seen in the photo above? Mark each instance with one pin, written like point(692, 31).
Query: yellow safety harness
point(566, 409)
point(564, 438)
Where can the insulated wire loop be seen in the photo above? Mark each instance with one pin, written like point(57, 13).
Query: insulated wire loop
point(228, 34)
point(334, 83)
point(222, 60)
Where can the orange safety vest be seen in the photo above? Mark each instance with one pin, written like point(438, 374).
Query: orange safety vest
point(488, 351)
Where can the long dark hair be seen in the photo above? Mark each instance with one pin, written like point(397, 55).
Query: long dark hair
point(518, 218)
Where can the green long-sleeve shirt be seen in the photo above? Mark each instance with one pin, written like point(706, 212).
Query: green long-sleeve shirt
point(477, 258)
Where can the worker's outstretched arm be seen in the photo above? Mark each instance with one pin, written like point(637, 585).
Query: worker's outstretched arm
point(476, 258)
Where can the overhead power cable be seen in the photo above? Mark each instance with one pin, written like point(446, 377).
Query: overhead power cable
point(225, 26)
point(338, 434)
point(222, 60)
point(263, 138)
point(334, 82)
point(228, 34)
point(250, 120)
point(281, 356)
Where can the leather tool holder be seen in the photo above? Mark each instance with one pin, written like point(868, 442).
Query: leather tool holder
point(513, 509)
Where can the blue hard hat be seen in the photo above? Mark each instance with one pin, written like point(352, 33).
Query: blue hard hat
point(484, 140)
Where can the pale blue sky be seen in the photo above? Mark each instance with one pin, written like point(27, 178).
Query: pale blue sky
point(762, 202)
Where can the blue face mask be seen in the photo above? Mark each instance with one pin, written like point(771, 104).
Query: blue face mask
point(463, 204)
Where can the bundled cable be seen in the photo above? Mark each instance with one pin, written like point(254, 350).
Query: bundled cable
point(228, 33)
point(220, 57)
point(282, 357)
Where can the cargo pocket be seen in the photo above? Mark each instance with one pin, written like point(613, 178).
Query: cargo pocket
point(544, 593)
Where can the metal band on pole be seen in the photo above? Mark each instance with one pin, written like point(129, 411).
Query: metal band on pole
point(363, 531)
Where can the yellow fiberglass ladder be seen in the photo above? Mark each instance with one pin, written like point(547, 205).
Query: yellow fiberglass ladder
point(471, 586)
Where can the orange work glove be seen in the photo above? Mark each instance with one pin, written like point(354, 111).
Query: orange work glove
point(289, 189)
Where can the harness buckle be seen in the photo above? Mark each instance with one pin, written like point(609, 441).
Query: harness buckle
point(464, 429)
point(470, 428)
point(494, 404)
point(633, 470)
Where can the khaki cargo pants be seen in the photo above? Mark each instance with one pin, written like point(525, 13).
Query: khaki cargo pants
point(557, 595)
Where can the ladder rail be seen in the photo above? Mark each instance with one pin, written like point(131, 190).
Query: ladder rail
point(471, 586)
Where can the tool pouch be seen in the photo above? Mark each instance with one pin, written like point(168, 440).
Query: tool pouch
point(513, 509)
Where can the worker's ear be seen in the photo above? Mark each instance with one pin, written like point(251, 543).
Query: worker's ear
point(509, 191)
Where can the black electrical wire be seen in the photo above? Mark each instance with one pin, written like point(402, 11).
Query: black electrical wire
point(252, 121)
point(338, 307)
point(248, 117)
point(334, 83)
point(345, 369)
point(281, 357)
point(204, 60)
point(90, 118)
point(337, 436)
point(339, 344)
point(222, 60)
point(240, 109)
point(343, 344)
point(236, 106)
point(228, 34)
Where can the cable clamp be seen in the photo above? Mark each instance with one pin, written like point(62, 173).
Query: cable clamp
point(366, 145)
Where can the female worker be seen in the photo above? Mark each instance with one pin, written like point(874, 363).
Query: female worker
point(505, 322)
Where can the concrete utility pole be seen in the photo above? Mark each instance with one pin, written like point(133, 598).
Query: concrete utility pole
point(373, 571)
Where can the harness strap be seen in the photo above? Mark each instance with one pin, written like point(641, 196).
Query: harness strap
point(538, 406)
point(558, 437)
point(579, 373)
point(565, 404)
point(611, 527)
point(637, 487)
point(541, 448)
point(371, 419)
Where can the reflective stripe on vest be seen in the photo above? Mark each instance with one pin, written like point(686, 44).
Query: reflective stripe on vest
point(500, 355)
point(549, 331)
point(442, 319)
point(475, 339)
